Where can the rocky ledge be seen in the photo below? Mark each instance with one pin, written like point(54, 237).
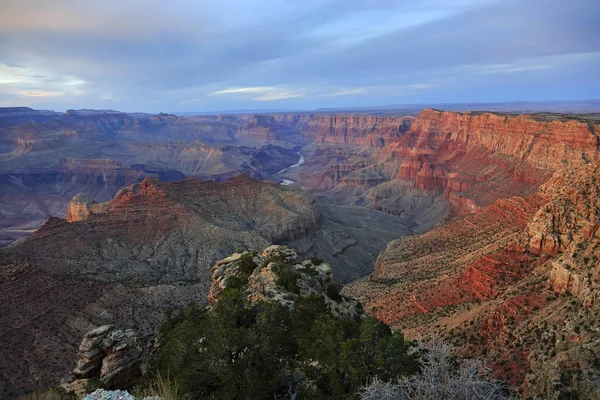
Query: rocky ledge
point(110, 356)
point(277, 275)
point(115, 358)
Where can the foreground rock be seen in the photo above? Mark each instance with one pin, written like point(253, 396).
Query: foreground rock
point(277, 275)
point(110, 354)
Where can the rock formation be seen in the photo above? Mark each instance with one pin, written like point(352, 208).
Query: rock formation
point(112, 355)
point(477, 159)
point(147, 250)
point(467, 160)
point(522, 250)
point(518, 280)
point(356, 129)
point(82, 206)
point(260, 275)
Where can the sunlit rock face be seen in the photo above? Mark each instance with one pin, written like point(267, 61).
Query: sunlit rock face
point(476, 159)
point(518, 280)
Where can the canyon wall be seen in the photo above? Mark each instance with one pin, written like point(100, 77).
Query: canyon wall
point(476, 159)
point(339, 129)
point(517, 281)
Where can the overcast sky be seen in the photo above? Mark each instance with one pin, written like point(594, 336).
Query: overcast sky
point(207, 55)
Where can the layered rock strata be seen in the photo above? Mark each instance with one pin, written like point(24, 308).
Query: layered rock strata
point(518, 280)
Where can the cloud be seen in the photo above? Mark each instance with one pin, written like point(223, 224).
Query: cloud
point(26, 82)
point(347, 92)
point(247, 90)
point(108, 18)
point(40, 93)
point(272, 93)
point(224, 54)
point(418, 86)
point(261, 93)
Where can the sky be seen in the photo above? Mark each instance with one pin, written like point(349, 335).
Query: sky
point(210, 55)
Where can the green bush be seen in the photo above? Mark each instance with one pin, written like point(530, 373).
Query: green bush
point(310, 270)
point(233, 282)
point(315, 260)
point(267, 351)
point(287, 278)
point(246, 263)
point(278, 259)
point(333, 292)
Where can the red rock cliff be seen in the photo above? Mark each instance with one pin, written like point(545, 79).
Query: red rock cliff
point(476, 159)
point(357, 129)
point(345, 129)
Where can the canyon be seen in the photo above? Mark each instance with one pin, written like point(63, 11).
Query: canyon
point(482, 227)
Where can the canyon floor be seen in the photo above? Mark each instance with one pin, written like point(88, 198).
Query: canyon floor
point(481, 227)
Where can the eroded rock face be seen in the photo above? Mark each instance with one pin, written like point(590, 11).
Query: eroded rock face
point(258, 275)
point(356, 129)
point(475, 159)
point(518, 280)
point(469, 160)
point(112, 355)
point(572, 215)
point(82, 206)
point(559, 369)
point(149, 250)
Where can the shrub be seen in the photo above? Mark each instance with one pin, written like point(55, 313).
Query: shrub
point(246, 263)
point(278, 259)
point(333, 292)
point(233, 282)
point(267, 351)
point(310, 270)
point(287, 277)
point(315, 260)
point(52, 394)
point(166, 388)
point(439, 378)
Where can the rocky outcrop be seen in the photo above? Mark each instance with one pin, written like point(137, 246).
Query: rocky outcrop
point(361, 130)
point(584, 283)
point(356, 129)
point(566, 227)
point(476, 159)
point(82, 206)
point(112, 355)
point(518, 280)
point(148, 250)
point(563, 370)
point(572, 215)
point(543, 145)
point(468, 160)
point(261, 276)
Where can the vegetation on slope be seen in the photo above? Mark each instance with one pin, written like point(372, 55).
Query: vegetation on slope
point(266, 350)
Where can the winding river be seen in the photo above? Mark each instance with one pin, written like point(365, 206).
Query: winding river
point(286, 182)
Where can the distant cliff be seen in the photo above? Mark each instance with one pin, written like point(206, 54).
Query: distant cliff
point(476, 159)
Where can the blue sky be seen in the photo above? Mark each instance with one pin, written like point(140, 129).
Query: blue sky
point(207, 55)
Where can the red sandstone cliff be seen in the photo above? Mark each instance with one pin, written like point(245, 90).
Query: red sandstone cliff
point(518, 281)
point(476, 159)
point(340, 129)
point(356, 129)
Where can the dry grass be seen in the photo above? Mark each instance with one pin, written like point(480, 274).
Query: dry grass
point(163, 387)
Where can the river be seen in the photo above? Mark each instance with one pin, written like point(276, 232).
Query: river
point(287, 182)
